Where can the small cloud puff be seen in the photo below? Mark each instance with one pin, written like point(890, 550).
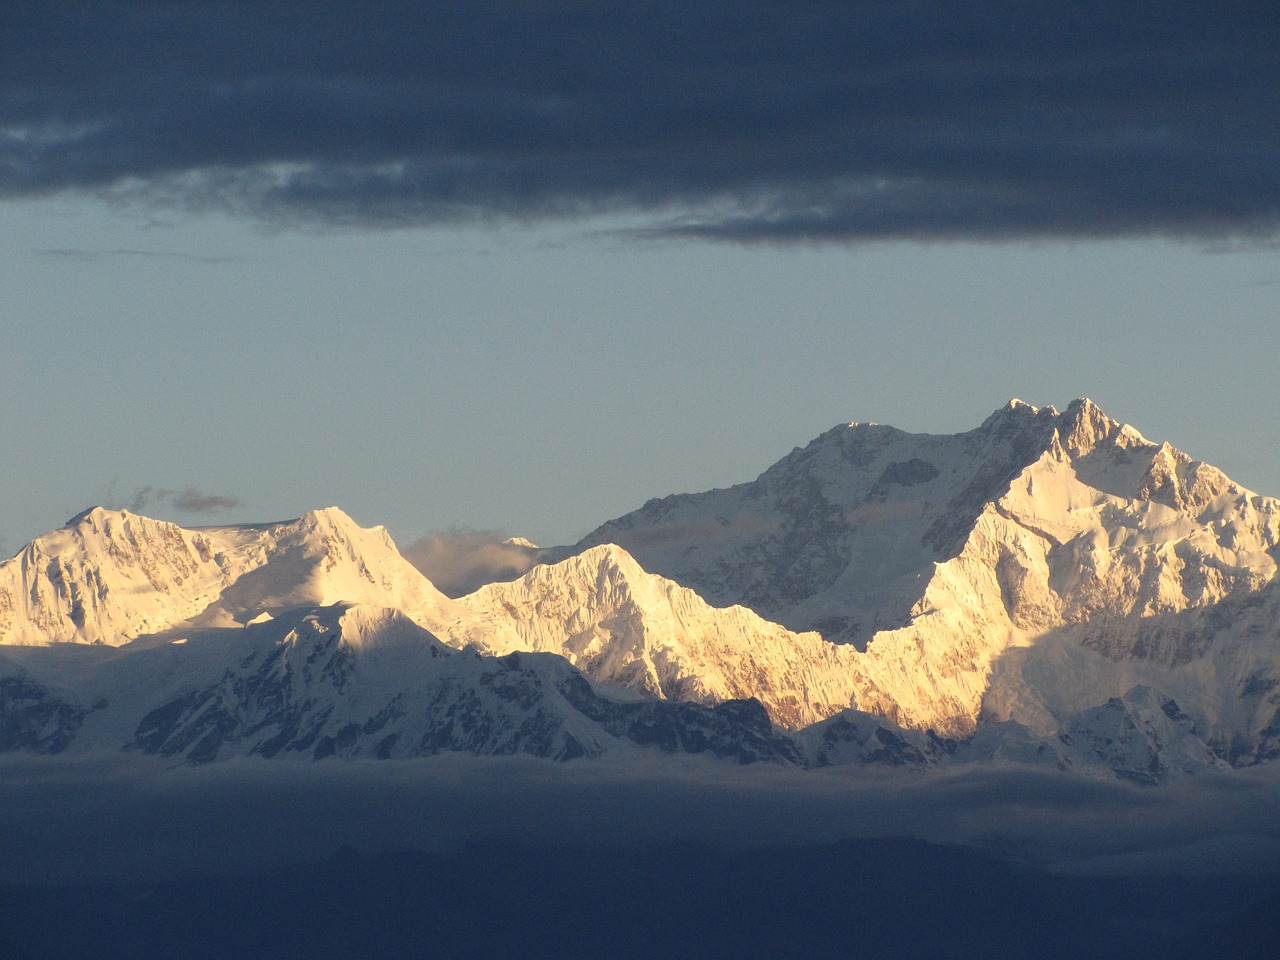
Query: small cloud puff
point(461, 560)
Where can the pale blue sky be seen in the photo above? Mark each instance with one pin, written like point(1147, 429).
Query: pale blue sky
point(524, 265)
point(542, 379)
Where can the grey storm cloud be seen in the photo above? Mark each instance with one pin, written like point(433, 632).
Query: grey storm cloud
point(750, 120)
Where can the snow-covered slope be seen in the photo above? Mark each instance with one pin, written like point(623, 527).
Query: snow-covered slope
point(342, 680)
point(1143, 737)
point(115, 579)
point(619, 624)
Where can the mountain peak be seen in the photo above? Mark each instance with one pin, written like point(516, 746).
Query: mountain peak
point(98, 517)
point(1024, 572)
point(629, 628)
point(1084, 404)
point(1017, 405)
point(112, 576)
point(89, 513)
point(1017, 414)
point(328, 516)
point(1083, 426)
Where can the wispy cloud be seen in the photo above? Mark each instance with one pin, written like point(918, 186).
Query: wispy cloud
point(69, 253)
point(750, 121)
point(190, 500)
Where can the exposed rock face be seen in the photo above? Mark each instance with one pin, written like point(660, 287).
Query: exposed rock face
point(34, 718)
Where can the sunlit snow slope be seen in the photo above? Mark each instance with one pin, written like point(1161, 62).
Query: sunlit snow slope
point(620, 624)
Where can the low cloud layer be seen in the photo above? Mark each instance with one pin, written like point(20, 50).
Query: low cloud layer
point(113, 818)
point(459, 560)
point(761, 120)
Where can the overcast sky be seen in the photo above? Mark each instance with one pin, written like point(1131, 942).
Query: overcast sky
point(524, 265)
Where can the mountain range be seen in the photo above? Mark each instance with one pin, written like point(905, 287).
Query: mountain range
point(1049, 588)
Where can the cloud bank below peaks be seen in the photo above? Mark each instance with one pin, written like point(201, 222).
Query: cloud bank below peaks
point(748, 121)
point(108, 819)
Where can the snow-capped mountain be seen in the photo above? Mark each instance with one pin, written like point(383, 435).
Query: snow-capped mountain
point(111, 576)
point(838, 536)
point(310, 637)
point(1029, 569)
point(1049, 588)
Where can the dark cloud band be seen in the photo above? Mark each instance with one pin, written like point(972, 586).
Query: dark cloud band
point(743, 120)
